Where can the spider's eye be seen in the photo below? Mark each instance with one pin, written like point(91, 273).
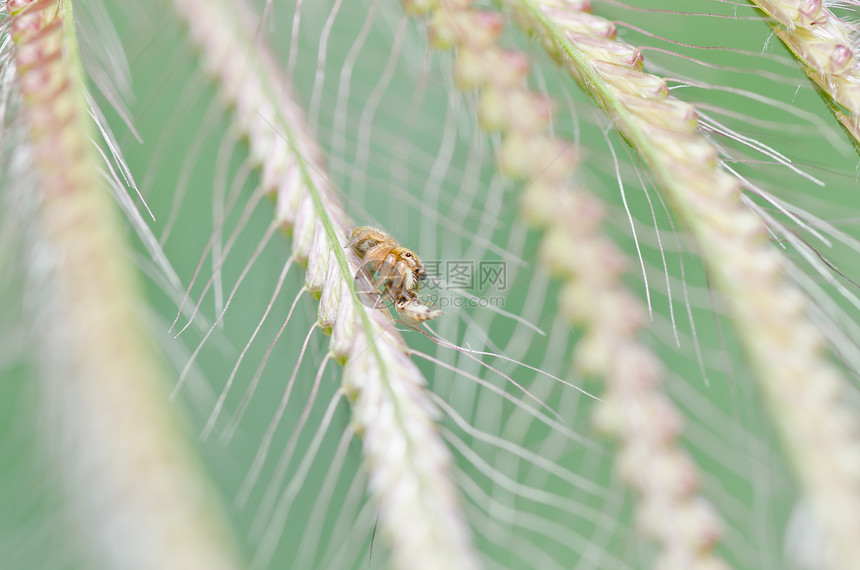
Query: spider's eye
point(408, 254)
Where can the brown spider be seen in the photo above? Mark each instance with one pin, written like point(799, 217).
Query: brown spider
point(398, 269)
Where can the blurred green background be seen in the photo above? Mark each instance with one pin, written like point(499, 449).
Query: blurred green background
point(405, 155)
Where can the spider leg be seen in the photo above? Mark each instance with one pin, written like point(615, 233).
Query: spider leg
point(376, 255)
point(391, 267)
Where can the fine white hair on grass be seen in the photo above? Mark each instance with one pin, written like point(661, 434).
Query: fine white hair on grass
point(771, 315)
point(408, 465)
point(281, 507)
point(647, 424)
point(256, 253)
point(338, 134)
point(311, 537)
point(366, 120)
point(234, 422)
point(183, 181)
point(825, 47)
point(555, 425)
point(550, 467)
point(216, 410)
point(319, 75)
point(276, 483)
point(219, 259)
point(410, 146)
point(266, 443)
point(133, 494)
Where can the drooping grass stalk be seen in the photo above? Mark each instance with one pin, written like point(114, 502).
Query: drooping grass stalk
point(807, 397)
point(634, 410)
point(137, 496)
point(409, 465)
point(823, 45)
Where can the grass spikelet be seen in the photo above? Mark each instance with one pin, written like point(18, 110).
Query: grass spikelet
point(822, 43)
point(634, 410)
point(408, 464)
point(135, 493)
point(819, 429)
